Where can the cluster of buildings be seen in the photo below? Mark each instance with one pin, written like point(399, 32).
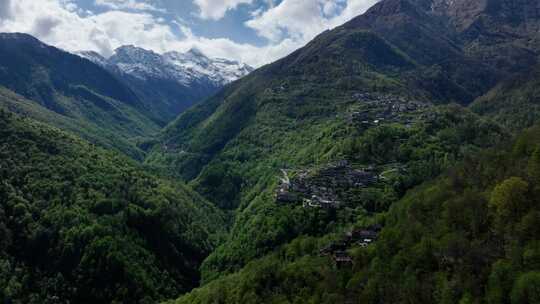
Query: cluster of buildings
point(337, 251)
point(377, 108)
point(321, 188)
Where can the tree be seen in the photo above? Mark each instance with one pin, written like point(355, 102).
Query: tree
point(509, 202)
point(534, 168)
point(499, 282)
point(527, 289)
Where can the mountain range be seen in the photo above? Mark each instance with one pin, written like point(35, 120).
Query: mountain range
point(101, 102)
point(327, 101)
point(185, 68)
point(393, 159)
point(176, 80)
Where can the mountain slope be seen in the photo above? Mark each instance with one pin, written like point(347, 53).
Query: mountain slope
point(515, 102)
point(172, 82)
point(79, 224)
point(74, 88)
point(419, 49)
point(373, 92)
point(94, 133)
point(469, 236)
point(336, 99)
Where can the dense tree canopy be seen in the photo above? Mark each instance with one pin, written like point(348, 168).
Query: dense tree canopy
point(470, 236)
point(79, 224)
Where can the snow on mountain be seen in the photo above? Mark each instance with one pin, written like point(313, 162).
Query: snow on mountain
point(184, 68)
point(95, 57)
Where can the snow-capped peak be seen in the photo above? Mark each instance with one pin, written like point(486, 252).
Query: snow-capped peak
point(139, 62)
point(95, 57)
point(130, 54)
point(196, 52)
point(185, 68)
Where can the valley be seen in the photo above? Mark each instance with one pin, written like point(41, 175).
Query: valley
point(392, 159)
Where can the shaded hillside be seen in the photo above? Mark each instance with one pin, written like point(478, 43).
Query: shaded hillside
point(102, 136)
point(74, 88)
point(79, 224)
point(498, 34)
point(514, 103)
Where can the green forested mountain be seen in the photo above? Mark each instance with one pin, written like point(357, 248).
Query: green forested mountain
point(79, 224)
point(94, 133)
point(469, 236)
point(394, 159)
point(423, 50)
point(76, 90)
point(514, 102)
point(375, 91)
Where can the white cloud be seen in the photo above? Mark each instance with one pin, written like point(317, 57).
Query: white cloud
point(302, 20)
point(127, 5)
point(45, 25)
point(330, 8)
point(5, 9)
point(291, 18)
point(226, 48)
point(287, 26)
point(353, 9)
point(59, 23)
point(216, 9)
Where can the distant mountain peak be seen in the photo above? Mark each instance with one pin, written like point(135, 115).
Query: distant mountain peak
point(93, 56)
point(185, 68)
point(130, 54)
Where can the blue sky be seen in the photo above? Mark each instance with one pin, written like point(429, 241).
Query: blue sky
point(231, 25)
point(252, 31)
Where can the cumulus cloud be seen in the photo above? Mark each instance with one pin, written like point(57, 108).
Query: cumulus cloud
point(59, 23)
point(291, 18)
point(5, 9)
point(44, 26)
point(287, 26)
point(216, 9)
point(127, 5)
point(243, 52)
point(302, 20)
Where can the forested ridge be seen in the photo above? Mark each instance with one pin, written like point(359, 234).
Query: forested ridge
point(393, 159)
point(469, 236)
point(80, 224)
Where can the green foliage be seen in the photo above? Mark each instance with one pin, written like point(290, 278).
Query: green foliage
point(296, 114)
point(527, 289)
point(107, 132)
point(444, 242)
point(108, 232)
point(71, 93)
point(509, 201)
point(534, 167)
point(409, 156)
point(514, 102)
point(500, 282)
point(293, 274)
